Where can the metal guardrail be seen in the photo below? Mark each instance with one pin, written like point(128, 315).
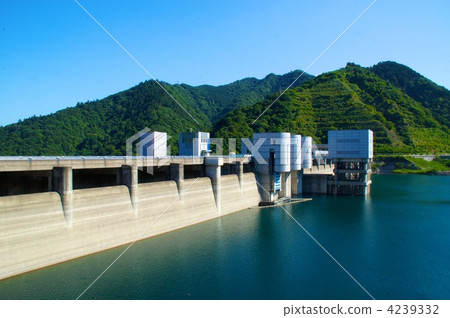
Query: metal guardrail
point(37, 158)
point(35, 163)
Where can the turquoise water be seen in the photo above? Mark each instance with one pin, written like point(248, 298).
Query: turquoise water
point(396, 243)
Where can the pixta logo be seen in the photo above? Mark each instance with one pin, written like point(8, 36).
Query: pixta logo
point(148, 149)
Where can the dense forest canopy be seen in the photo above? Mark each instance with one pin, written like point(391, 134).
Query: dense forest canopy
point(407, 112)
point(350, 98)
point(102, 127)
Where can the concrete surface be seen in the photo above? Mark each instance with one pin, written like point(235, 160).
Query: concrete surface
point(34, 233)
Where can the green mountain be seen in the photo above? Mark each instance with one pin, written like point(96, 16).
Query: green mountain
point(216, 101)
point(102, 127)
point(350, 98)
point(432, 96)
point(407, 112)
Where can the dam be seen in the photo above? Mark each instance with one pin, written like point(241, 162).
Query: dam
point(49, 227)
point(54, 209)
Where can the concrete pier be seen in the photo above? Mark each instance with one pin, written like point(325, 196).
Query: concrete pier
point(63, 184)
point(213, 166)
point(296, 177)
point(265, 186)
point(300, 182)
point(286, 187)
point(239, 171)
point(130, 179)
point(177, 174)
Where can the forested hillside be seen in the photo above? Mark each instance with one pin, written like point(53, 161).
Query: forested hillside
point(102, 127)
point(407, 112)
point(350, 98)
point(432, 96)
point(216, 101)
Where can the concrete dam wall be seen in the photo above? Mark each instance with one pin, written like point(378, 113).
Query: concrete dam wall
point(34, 232)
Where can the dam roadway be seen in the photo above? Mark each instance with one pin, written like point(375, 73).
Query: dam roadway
point(35, 163)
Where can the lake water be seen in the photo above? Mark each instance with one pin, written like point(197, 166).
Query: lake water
point(396, 243)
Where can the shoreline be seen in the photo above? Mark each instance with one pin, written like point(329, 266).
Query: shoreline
point(412, 165)
point(438, 173)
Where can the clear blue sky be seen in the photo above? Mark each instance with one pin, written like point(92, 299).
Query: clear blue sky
point(52, 55)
